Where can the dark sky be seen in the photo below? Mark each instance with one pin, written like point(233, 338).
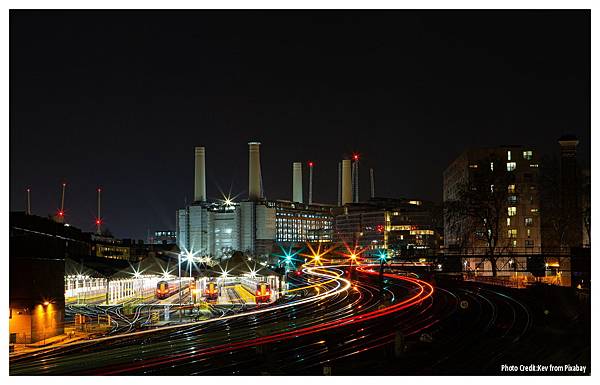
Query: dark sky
point(119, 99)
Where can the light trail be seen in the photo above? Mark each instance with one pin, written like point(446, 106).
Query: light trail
point(425, 290)
point(342, 285)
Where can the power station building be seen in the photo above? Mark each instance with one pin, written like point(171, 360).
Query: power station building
point(252, 226)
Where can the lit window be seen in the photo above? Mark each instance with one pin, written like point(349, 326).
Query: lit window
point(511, 166)
point(534, 210)
point(534, 165)
point(512, 233)
point(492, 166)
point(472, 166)
point(514, 243)
point(527, 155)
point(528, 233)
point(512, 211)
point(528, 221)
point(512, 199)
point(508, 221)
point(508, 154)
point(491, 188)
point(511, 188)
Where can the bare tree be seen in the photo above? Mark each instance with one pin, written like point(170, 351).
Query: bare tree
point(557, 221)
point(481, 205)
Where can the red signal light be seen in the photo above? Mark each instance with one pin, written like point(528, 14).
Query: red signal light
point(60, 213)
point(98, 221)
point(355, 156)
point(310, 164)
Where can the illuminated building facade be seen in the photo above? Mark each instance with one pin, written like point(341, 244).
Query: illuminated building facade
point(251, 227)
point(209, 229)
point(164, 237)
point(108, 247)
point(38, 248)
point(519, 230)
point(300, 223)
point(406, 228)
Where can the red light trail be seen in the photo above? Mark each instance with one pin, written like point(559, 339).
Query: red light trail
point(425, 290)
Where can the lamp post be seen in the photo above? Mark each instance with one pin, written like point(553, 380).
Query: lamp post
point(179, 268)
point(382, 259)
point(190, 260)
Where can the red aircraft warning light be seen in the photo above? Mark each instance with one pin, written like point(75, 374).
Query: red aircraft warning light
point(355, 156)
point(310, 164)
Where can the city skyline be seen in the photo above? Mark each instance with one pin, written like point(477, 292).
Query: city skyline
point(137, 100)
point(300, 193)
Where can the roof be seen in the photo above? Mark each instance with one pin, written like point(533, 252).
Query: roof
point(238, 265)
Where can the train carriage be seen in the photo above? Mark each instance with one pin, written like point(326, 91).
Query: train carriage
point(261, 290)
point(212, 291)
point(165, 289)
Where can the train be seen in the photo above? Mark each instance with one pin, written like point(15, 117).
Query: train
point(165, 289)
point(261, 290)
point(212, 291)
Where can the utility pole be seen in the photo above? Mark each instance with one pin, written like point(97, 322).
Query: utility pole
point(179, 265)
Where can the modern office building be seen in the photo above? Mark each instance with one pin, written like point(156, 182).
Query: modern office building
point(404, 227)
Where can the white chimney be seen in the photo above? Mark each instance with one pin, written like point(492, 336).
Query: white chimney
point(199, 175)
point(254, 190)
point(297, 182)
point(346, 181)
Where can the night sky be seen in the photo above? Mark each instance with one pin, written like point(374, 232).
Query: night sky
point(120, 99)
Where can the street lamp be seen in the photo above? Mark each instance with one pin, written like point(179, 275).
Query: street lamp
point(179, 269)
point(352, 259)
point(383, 259)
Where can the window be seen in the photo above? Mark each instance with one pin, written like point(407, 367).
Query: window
point(528, 233)
point(534, 211)
point(528, 243)
point(534, 165)
point(511, 188)
point(527, 155)
point(512, 233)
point(528, 221)
point(511, 166)
point(514, 243)
point(508, 154)
point(512, 211)
point(491, 188)
point(512, 199)
point(472, 166)
point(491, 166)
point(508, 221)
